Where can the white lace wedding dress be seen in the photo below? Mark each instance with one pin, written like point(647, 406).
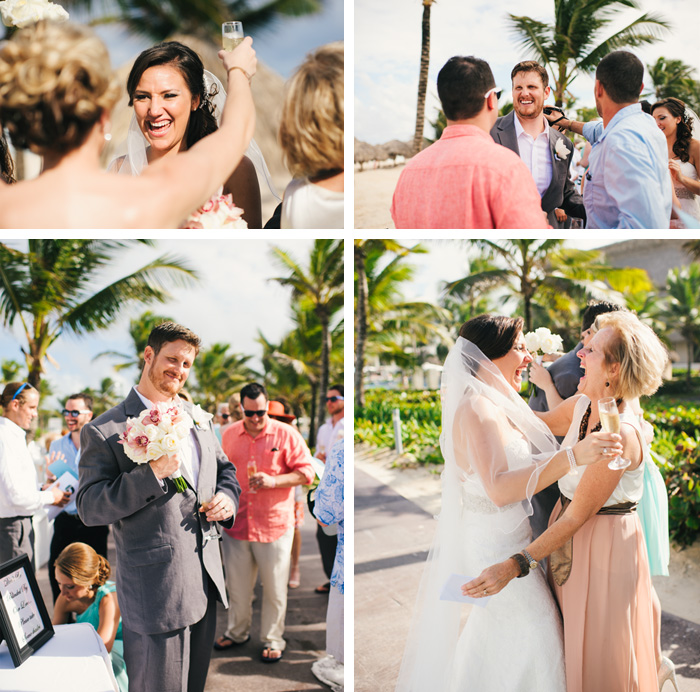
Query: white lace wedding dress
point(688, 200)
point(515, 643)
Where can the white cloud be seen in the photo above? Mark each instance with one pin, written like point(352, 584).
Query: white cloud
point(388, 40)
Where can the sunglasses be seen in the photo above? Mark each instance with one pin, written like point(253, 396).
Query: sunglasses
point(250, 414)
point(19, 391)
point(225, 416)
point(333, 399)
point(496, 91)
point(74, 414)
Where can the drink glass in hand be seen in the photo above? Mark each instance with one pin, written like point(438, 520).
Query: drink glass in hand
point(576, 223)
point(252, 470)
point(610, 420)
point(232, 34)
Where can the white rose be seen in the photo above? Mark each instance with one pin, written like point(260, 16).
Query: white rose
point(22, 13)
point(170, 444)
point(152, 432)
point(532, 341)
point(182, 429)
point(136, 454)
point(551, 344)
point(166, 425)
point(560, 149)
point(155, 450)
point(543, 333)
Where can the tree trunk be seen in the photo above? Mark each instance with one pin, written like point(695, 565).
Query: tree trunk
point(690, 358)
point(325, 357)
point(423, 77)
point(361, 326)
point(312, 416)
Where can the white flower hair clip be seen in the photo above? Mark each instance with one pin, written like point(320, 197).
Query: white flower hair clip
point(23, 13)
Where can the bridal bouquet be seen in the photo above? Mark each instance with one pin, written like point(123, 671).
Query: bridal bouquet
point(157, 431)
point(218, 212)
point(542, 341)
point(22, 13)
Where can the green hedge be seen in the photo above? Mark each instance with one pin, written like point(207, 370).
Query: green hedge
point(676, 441)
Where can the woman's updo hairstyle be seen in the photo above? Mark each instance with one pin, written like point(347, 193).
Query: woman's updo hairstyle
point(55, 82)
point(202, 121)
point(83, 565)
point(684, 130)
point(495, 335)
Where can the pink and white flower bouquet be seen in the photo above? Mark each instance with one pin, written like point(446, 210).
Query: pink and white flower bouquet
point(218, 212)
point(157, 431)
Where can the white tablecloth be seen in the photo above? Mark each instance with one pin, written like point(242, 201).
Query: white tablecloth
point(73, 660)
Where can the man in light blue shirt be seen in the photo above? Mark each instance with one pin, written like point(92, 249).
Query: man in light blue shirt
point(628, 184)
point(67, 526)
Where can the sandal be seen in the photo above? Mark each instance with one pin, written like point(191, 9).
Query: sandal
point(268, 658)
point(294, 578)
point(224, 642)
point(325, 588)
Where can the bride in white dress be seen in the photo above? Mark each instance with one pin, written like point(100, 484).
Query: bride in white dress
point(678, 122)
point(497, 455)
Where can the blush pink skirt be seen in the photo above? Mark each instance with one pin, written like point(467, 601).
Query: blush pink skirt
point(607, 608)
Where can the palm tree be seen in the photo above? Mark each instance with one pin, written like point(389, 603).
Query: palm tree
point(674, 78)
point(50, 289)
point(10, 370)
point(363, 249)
point(683, 306)
point(219, 373)
point(693, 248)
point(103, 398)
point(160, 19)
point(139, 331)
point(320, 285)
point(423, 76)
point(573, 43)
point(544, 272)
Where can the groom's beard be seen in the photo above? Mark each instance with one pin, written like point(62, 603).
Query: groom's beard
point(169, 386)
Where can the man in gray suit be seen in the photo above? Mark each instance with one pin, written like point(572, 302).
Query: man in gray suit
point(545, 151)
point(170, 574)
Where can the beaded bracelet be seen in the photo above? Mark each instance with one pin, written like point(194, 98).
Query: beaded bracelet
point(573, 471)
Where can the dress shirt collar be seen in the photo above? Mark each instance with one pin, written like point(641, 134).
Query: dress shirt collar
point(520, 131)
point(626, 112)
point(464, 130)
point(267, 429)
point(149, 404)
point(13, 428)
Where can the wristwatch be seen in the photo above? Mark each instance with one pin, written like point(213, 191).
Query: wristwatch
point(532, 563)
point(522, 564)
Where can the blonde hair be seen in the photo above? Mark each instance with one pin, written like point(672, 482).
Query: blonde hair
point(234, 407)
point(55, 82)
point(312, 127)
point(641, 355)
point(83, 565)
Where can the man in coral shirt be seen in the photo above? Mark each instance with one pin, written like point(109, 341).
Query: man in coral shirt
point(465, 179)
point(271, 459)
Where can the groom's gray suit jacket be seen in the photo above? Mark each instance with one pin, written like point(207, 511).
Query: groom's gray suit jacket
point(163, 562)
point(561, 193)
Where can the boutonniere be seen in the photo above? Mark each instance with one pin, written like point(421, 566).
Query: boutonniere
point(561, 150)
point(200, 417)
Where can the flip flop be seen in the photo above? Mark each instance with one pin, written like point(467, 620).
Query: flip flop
point(228, 643)
point(325, 588)
point(267, 659)
point(294, 579)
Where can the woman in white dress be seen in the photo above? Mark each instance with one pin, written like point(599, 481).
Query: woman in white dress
point(676, 122)
point(57, 91)
point(497, 455)
point(595, 543)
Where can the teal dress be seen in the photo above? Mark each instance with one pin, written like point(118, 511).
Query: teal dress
point(92, 615)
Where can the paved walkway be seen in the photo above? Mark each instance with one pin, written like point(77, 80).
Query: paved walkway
point(241, 669)
point(392, 537)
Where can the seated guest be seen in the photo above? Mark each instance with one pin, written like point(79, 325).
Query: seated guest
point(312, 138)
point(82, 577)
point(465, 179)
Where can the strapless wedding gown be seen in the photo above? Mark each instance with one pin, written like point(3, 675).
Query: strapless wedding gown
point(515, 643)
point(689, 201)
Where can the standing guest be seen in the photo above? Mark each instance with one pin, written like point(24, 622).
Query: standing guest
point(673, 119)
point(271, 459)
point(627, 185)
point(312, 136)
point(170, 573)
point(466, 180)
point(546, 152)
point(329, 433)
point(67, 526)
point(61, 110)
point(20, 496)
point(221, 419)
point(279, 409)
point(7, 165)
point(330, 509)
point(82, 575)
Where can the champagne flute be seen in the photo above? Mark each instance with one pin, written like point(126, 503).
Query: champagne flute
point(576, 223)
point(231, 34)
point(252, 470)
point(610, 420)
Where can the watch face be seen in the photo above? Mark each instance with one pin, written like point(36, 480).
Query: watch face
point(533, 565)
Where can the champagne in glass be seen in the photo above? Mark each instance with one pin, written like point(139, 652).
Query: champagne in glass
point(610, 420)
point(252, 470)
point(231, 34)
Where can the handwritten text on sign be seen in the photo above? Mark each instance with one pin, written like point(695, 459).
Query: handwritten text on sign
point(20, 606)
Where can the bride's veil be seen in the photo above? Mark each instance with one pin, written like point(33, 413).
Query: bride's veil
point(481, 415)
point(136, 144)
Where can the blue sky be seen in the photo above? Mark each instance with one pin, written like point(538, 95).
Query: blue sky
point(387, 61)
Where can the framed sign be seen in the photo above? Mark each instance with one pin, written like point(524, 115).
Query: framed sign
point(24, 621)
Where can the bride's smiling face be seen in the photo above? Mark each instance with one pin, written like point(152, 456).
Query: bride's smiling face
point(163, 104)
point(665, 121)
point(514, 363)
